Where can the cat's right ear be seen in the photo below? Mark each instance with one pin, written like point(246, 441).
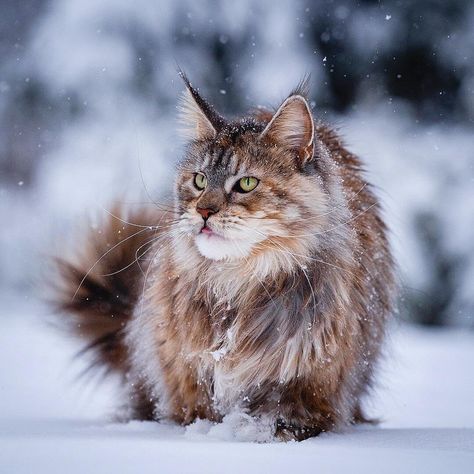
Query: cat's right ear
point(199, 121)
point(292, 125)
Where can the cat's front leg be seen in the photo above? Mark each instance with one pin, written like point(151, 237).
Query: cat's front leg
point(188, 396)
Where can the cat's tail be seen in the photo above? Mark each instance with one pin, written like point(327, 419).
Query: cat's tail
point(99, 288)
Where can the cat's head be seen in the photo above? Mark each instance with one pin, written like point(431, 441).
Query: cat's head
point(251, 187)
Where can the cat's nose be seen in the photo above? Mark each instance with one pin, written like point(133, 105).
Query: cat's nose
point(206, 211)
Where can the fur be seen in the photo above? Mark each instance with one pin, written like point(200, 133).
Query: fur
point(278, 309)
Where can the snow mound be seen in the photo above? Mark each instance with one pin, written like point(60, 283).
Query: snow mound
point(236, 426)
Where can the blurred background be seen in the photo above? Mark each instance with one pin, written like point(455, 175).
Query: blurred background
point(88, 94)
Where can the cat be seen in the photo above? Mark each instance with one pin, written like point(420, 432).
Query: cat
point(264, 286)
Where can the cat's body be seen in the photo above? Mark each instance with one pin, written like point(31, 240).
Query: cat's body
point(272, 300)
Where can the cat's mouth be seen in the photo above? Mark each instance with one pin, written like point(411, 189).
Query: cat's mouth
point(206, 230)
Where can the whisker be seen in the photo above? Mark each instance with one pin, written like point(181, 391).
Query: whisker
point(285, 250)
point(141, 175)
point(104, 255)
point(334, 209)
point(137, 257)
point(331, 228)
point(145, 279)
point(339, 225)
point(151, 227)
point(171, 226)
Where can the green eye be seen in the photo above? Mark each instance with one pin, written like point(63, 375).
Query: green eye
point(245, 185)
point(200, 181)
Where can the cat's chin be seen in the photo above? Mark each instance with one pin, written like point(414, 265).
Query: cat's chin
point(215, 247)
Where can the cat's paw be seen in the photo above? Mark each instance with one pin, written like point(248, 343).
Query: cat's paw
point(292, 432)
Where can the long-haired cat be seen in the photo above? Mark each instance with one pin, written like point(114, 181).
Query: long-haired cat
point(266, 285)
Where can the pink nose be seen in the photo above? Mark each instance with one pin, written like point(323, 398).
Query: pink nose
point(205, 212)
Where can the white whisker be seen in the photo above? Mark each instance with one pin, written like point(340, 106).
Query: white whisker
point(104, 255)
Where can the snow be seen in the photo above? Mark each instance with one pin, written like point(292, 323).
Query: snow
point(219, 353)
point(52, 422)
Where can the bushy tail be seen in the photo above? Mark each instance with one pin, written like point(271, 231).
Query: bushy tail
point(99, 289)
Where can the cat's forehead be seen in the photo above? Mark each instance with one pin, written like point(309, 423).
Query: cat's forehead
point(237, 144)
point(225, 161)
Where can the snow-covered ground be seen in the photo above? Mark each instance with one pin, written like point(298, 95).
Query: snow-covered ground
point(50, 422)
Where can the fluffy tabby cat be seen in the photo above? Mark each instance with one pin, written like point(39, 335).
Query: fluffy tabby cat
point(266, 286)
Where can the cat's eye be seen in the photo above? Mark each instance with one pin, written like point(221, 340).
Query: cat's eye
point(200, 181)
point(245, 185)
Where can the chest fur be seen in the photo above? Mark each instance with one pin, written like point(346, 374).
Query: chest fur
point(225, 349)
point(237, 351)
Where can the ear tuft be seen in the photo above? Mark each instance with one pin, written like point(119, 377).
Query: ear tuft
point(303, 87)
point(199, 120)
point(292, 126)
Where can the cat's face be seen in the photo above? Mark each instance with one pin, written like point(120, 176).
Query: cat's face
point(248, 188)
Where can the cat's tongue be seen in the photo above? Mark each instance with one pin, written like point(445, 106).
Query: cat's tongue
point(210, 233)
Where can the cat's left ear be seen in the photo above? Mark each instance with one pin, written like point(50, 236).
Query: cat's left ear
point(293, 126)
point(199, 119)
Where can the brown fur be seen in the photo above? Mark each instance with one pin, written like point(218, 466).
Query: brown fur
point(291, 328)
point(100, 289)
